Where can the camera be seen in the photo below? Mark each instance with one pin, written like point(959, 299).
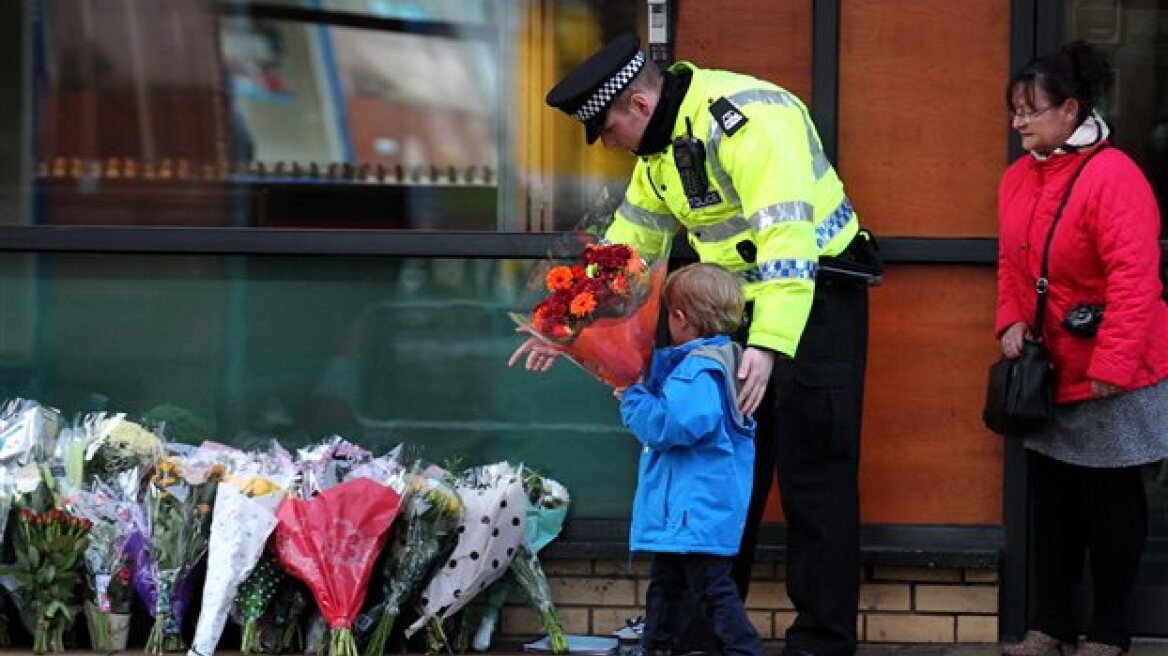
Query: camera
point(1083, 320)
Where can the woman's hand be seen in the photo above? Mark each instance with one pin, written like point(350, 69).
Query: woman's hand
point(1100, 389)
point(1012, 339)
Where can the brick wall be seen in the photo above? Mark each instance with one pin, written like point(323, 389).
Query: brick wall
point(903, 605)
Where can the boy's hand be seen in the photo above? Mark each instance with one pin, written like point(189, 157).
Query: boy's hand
point(754, 373)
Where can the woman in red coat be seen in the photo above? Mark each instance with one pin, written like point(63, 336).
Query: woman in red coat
point(1106, 326)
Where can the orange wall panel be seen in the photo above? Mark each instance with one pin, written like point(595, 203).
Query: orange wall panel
point(927, 458)
point(922, 132)
point(769, 39)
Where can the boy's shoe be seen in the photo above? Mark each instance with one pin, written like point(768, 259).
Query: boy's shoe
point(1037, 643)
point(1098, 649)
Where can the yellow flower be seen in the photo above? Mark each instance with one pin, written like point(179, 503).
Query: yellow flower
point(259, 486)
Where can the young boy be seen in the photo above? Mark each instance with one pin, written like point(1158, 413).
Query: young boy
point(695, 473)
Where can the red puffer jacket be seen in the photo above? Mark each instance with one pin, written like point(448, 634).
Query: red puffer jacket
point(1105, 250)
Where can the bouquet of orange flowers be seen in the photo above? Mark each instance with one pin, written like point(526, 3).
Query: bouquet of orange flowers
point(597, 302)
point(605, 281)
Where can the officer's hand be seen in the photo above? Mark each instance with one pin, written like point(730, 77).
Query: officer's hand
point(1012, 339)
point(754, 374)
point(540, 356)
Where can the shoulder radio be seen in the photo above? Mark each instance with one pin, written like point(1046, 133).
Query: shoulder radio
point(689, 155)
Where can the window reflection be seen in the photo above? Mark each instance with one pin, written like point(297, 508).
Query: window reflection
point(1135, 37)
point(379, 350)
point(317, 113)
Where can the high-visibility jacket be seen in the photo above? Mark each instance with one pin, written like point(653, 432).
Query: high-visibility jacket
point(772, 198)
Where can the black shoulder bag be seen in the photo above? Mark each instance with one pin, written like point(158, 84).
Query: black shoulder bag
point(1020, 392)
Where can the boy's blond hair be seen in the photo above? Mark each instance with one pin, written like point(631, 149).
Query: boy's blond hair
point(710, 297)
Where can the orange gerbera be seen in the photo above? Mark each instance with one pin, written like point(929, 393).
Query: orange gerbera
point(558, 278)
point(582, 304)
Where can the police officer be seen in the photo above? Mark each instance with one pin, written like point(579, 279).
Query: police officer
point(738, 162)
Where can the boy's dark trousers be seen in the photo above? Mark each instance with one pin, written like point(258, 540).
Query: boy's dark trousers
point(675, 579)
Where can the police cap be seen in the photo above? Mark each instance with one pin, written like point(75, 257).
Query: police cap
point(587, 91)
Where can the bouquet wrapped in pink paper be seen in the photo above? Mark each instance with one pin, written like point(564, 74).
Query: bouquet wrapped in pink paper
point(330, 542)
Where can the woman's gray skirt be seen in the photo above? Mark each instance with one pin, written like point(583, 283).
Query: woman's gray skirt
point(1117, 431)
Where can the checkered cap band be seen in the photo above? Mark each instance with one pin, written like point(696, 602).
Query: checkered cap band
point(609, 90)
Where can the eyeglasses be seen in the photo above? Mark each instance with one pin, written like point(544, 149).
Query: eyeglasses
point(1029, 116)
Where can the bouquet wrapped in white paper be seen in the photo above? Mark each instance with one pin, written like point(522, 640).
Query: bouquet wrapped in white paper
point(240, 527)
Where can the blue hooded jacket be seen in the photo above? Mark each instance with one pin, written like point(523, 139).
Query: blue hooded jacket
point(697, 462)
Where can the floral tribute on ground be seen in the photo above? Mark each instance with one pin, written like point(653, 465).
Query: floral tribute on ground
point(106, 507)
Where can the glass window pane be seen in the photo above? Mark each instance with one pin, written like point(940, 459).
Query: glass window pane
point(1134, 35)
point(457, 11)
point(335, 114)
point(379, 350)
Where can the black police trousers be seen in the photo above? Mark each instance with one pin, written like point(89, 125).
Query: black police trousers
point(809, 432)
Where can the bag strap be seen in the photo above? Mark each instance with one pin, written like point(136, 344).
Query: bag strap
point(1042, 285)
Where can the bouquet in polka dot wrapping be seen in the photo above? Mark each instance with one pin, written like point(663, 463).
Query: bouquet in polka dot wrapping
point(330, 542)
point(490, 531)
point(547, 508)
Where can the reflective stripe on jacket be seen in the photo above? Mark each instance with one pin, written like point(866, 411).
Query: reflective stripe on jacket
point(773, 189)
